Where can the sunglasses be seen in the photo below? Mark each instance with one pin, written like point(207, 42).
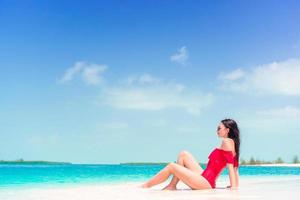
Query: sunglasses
point(219, 128)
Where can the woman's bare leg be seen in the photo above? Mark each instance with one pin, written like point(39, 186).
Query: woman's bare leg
point(172, 185)
point(160, 177)
point(190, 178)
point(187, 160)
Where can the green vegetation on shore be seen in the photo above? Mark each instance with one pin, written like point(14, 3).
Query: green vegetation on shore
point(21, 161)
point(296, 160)
point(279, 160)
point(144, 163)
point(251, 161)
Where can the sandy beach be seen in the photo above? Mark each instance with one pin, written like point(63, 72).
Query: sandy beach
point(250, 188)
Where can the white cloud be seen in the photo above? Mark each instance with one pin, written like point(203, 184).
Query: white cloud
point(140, 92)
point(156, 96)
point(72, 71)
point(280, 120)
point(147, 78)
point(141, 79)
point(285, 112)
point(90, 73)
point(181, 56)
point(234, 75)
point(281, 78)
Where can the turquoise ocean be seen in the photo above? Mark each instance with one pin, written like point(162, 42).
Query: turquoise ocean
point(38, 175)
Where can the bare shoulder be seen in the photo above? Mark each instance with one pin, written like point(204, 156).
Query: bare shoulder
point(227, 144)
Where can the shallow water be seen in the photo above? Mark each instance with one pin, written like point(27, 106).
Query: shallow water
point(40, 175)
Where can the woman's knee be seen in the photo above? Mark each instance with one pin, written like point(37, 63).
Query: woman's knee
point(170, 166)
point(183, 153)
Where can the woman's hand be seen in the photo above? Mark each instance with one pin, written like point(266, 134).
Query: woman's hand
point(231, 188)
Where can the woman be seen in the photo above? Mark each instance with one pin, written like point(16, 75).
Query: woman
point(188, 170)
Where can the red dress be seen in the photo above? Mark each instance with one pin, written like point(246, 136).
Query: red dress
point(218, 159)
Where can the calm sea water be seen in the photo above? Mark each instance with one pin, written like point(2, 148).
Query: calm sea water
point(37, 174)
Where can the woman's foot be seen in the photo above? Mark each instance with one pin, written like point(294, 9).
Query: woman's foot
point(169, 187)
point(144, 185)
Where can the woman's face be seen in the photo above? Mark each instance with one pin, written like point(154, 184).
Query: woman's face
point(222, 130)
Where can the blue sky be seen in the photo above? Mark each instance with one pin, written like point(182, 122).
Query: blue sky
point(137, 81)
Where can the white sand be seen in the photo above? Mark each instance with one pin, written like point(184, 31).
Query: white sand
point(250, 188)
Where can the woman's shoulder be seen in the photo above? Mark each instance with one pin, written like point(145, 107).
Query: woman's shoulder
point(227, 144)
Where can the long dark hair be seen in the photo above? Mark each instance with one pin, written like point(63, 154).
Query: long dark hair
point(234, 133)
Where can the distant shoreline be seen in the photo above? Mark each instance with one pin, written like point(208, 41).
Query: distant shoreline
point(145, 163)
point(33, 162)
point(142, 163)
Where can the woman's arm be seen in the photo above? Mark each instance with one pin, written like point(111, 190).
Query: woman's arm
point(232, 176)
point(236, 170)
point(228, 145)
